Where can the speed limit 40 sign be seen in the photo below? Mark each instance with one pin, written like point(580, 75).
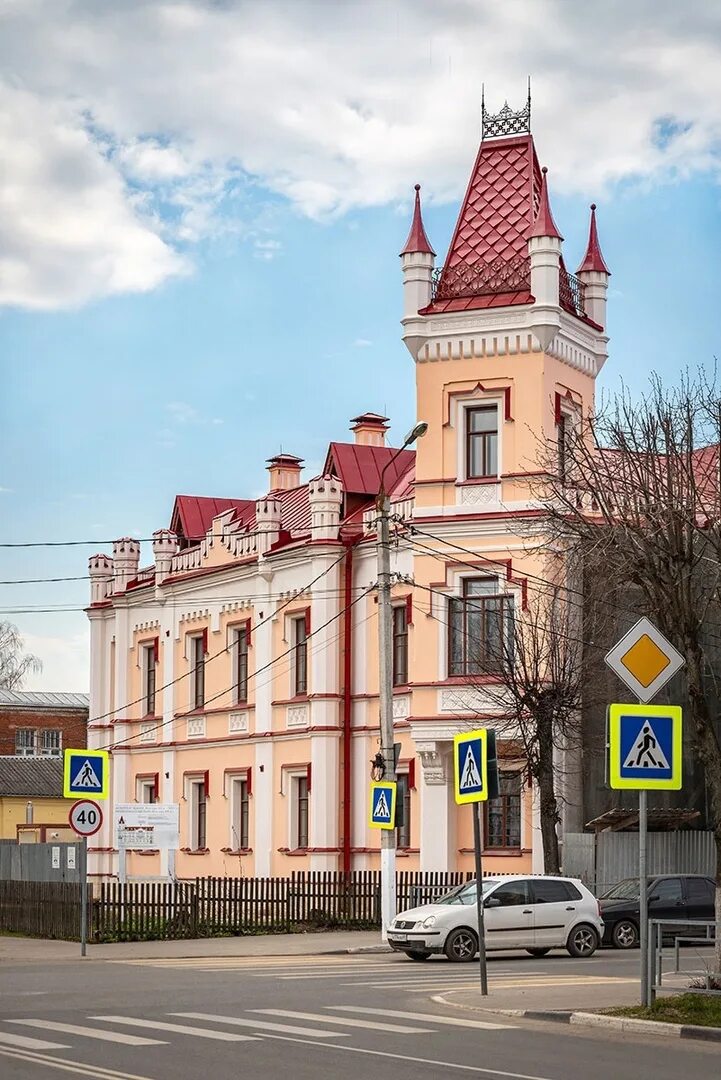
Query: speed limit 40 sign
point(86, 817)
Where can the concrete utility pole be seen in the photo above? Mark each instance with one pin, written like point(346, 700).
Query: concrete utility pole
point(385, 678)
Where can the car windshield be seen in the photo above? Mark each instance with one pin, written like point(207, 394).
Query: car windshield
point(465, 894)
point(625, 890)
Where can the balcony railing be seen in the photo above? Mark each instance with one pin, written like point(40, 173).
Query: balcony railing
point(572, 293)
point(502, 276)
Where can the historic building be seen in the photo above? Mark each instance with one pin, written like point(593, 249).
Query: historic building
point(238, 674)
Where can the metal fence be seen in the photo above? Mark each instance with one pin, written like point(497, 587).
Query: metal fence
point(600, 860)
point(40, 862)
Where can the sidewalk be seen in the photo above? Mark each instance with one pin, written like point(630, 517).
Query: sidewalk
point(548, 998)
point(20, 950)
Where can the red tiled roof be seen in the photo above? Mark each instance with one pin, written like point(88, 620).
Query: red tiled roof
point(593, 259)
point(417, 240)
point(544, 225)
point(193, 514)
point(359, 467)
point(295, 510)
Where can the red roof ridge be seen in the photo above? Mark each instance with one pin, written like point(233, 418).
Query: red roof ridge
point(593, 259)
point(544, 225)
point(417, 242)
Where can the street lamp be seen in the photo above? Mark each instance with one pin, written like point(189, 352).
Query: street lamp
point(385, 676)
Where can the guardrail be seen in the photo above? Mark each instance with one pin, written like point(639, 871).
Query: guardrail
point(656, 928)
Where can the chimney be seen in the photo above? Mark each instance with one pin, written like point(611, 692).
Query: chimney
point(370, 429)
point(284, 472)
point(100, 569)
point(126, 560)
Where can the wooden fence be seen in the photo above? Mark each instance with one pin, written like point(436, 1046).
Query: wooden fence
point(46, 909)
point(211, 906)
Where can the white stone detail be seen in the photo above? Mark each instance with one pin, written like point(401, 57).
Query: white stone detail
point(297, 716)
point(147, 733)
point(237, 721)
point(196, 727)
point(401, 707)
point(433, 760)
point(478, 494)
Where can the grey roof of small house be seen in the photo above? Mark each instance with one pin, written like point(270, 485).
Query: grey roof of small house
point(31, 777)
point(39, 699)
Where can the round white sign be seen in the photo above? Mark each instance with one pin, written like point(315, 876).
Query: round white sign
point(86, 817)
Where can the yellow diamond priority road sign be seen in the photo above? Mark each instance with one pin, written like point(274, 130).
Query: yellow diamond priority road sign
point(644, 660)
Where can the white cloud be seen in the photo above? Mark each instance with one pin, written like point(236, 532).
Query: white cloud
point(131, 129)
point(182, 412)
point(6, 491)
point(266, 249)
point(362, 343)
point(65, 662)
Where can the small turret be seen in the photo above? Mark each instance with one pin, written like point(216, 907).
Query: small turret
point(544, 249)
point(417, 262)
point(268, 515)
point(325, 495)
point(165, 545)
point(100, 569)
point(594, 274)
point(126, 560)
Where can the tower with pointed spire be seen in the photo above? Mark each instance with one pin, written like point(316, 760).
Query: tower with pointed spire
point(417, 262)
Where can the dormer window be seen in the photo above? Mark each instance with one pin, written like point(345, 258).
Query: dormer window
point(481, 442)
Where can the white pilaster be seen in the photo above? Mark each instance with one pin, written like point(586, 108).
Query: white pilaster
point(437, 808)
point(324, 801)
point(263, 792)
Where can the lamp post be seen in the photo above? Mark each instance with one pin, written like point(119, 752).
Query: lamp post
point(385, 677)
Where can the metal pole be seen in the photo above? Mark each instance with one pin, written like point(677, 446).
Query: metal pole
point(385, 690)
point(479, 898)
point(642, 897)
point(84, 897)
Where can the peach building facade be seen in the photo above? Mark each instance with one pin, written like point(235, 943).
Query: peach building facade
point(238, 674)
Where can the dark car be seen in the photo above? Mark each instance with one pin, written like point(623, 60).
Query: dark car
point(672, 896)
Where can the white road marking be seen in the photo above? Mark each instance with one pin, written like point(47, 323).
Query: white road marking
point(428, 1018)
point(417, 1060)
point(178, 1029)
point(367, 1025)
point(78, 1068)
point(90, 1033)
point(30, 1044)
point(257, 1025)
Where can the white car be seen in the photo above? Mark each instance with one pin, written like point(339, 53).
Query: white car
point(532, 913)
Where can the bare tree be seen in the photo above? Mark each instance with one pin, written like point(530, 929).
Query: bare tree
point(639, 488)
point(15, 663)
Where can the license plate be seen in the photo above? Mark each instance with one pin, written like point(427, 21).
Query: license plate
point(400, 937)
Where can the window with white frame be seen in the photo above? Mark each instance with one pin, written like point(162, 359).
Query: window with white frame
point(299, 666)
point(299, 809)
point(480, 629)
point(240, 644)
point(145, 789)
point(198, 809)
point(25, 742)
point(239, 812)
point(400, 645)
point(197, 671)
point(51, 742)
point(148, 673)
point(481, 441)
point(403, 810)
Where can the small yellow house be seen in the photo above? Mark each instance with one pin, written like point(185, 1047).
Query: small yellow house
point(32, 807)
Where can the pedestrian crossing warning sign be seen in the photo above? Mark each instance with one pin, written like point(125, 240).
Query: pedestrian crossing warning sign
point(645, 747)
point(383, 805)
point(86, 772)
point(470, 766)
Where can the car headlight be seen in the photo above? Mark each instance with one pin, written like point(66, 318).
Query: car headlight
point(429, 922)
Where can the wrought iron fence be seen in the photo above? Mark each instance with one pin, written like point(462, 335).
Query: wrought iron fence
point(572, 293)
point(482, 279)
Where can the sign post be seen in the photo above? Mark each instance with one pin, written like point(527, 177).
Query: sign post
point(645, 744)
point(85, 818)
point(471, 775)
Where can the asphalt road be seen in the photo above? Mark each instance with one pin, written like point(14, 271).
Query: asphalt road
point(311, 1017)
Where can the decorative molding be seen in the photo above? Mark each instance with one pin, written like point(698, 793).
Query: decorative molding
point(147, 732)
point(478, 494)
point(465, 699)
point(237, 721)
point(434, 762)
point(196, 727)
point(402, 707)
point(296, 716)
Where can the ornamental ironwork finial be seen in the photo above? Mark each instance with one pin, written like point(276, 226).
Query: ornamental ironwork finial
point(505, 122)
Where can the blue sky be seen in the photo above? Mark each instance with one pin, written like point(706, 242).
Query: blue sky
point(201, 305)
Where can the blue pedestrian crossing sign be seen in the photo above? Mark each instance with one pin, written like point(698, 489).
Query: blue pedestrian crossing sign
point(470, 766)
point(86, 772)
point(383, 805)
point(645, 747)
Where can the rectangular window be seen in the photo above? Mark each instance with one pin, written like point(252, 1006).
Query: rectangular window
point(403, 808)
point(145, 790)
point(400, 646)
point(51, 743)
point(480, 630)
point(240, 809)
point(241, 665)
point(25, 742)
point(503, 815)
point(300, 784)
point(149, 679)
point(197, 660)
point(562, 448)
point(197, 815)
point(300, 657)
point(481, 442)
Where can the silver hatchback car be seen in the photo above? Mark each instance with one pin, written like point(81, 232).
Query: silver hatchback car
point(532, 913)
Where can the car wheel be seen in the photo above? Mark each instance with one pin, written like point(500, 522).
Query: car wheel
point(461, 945)
point(418, 955)
point(625, 934)
point(538, 952)
point(582, 941)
